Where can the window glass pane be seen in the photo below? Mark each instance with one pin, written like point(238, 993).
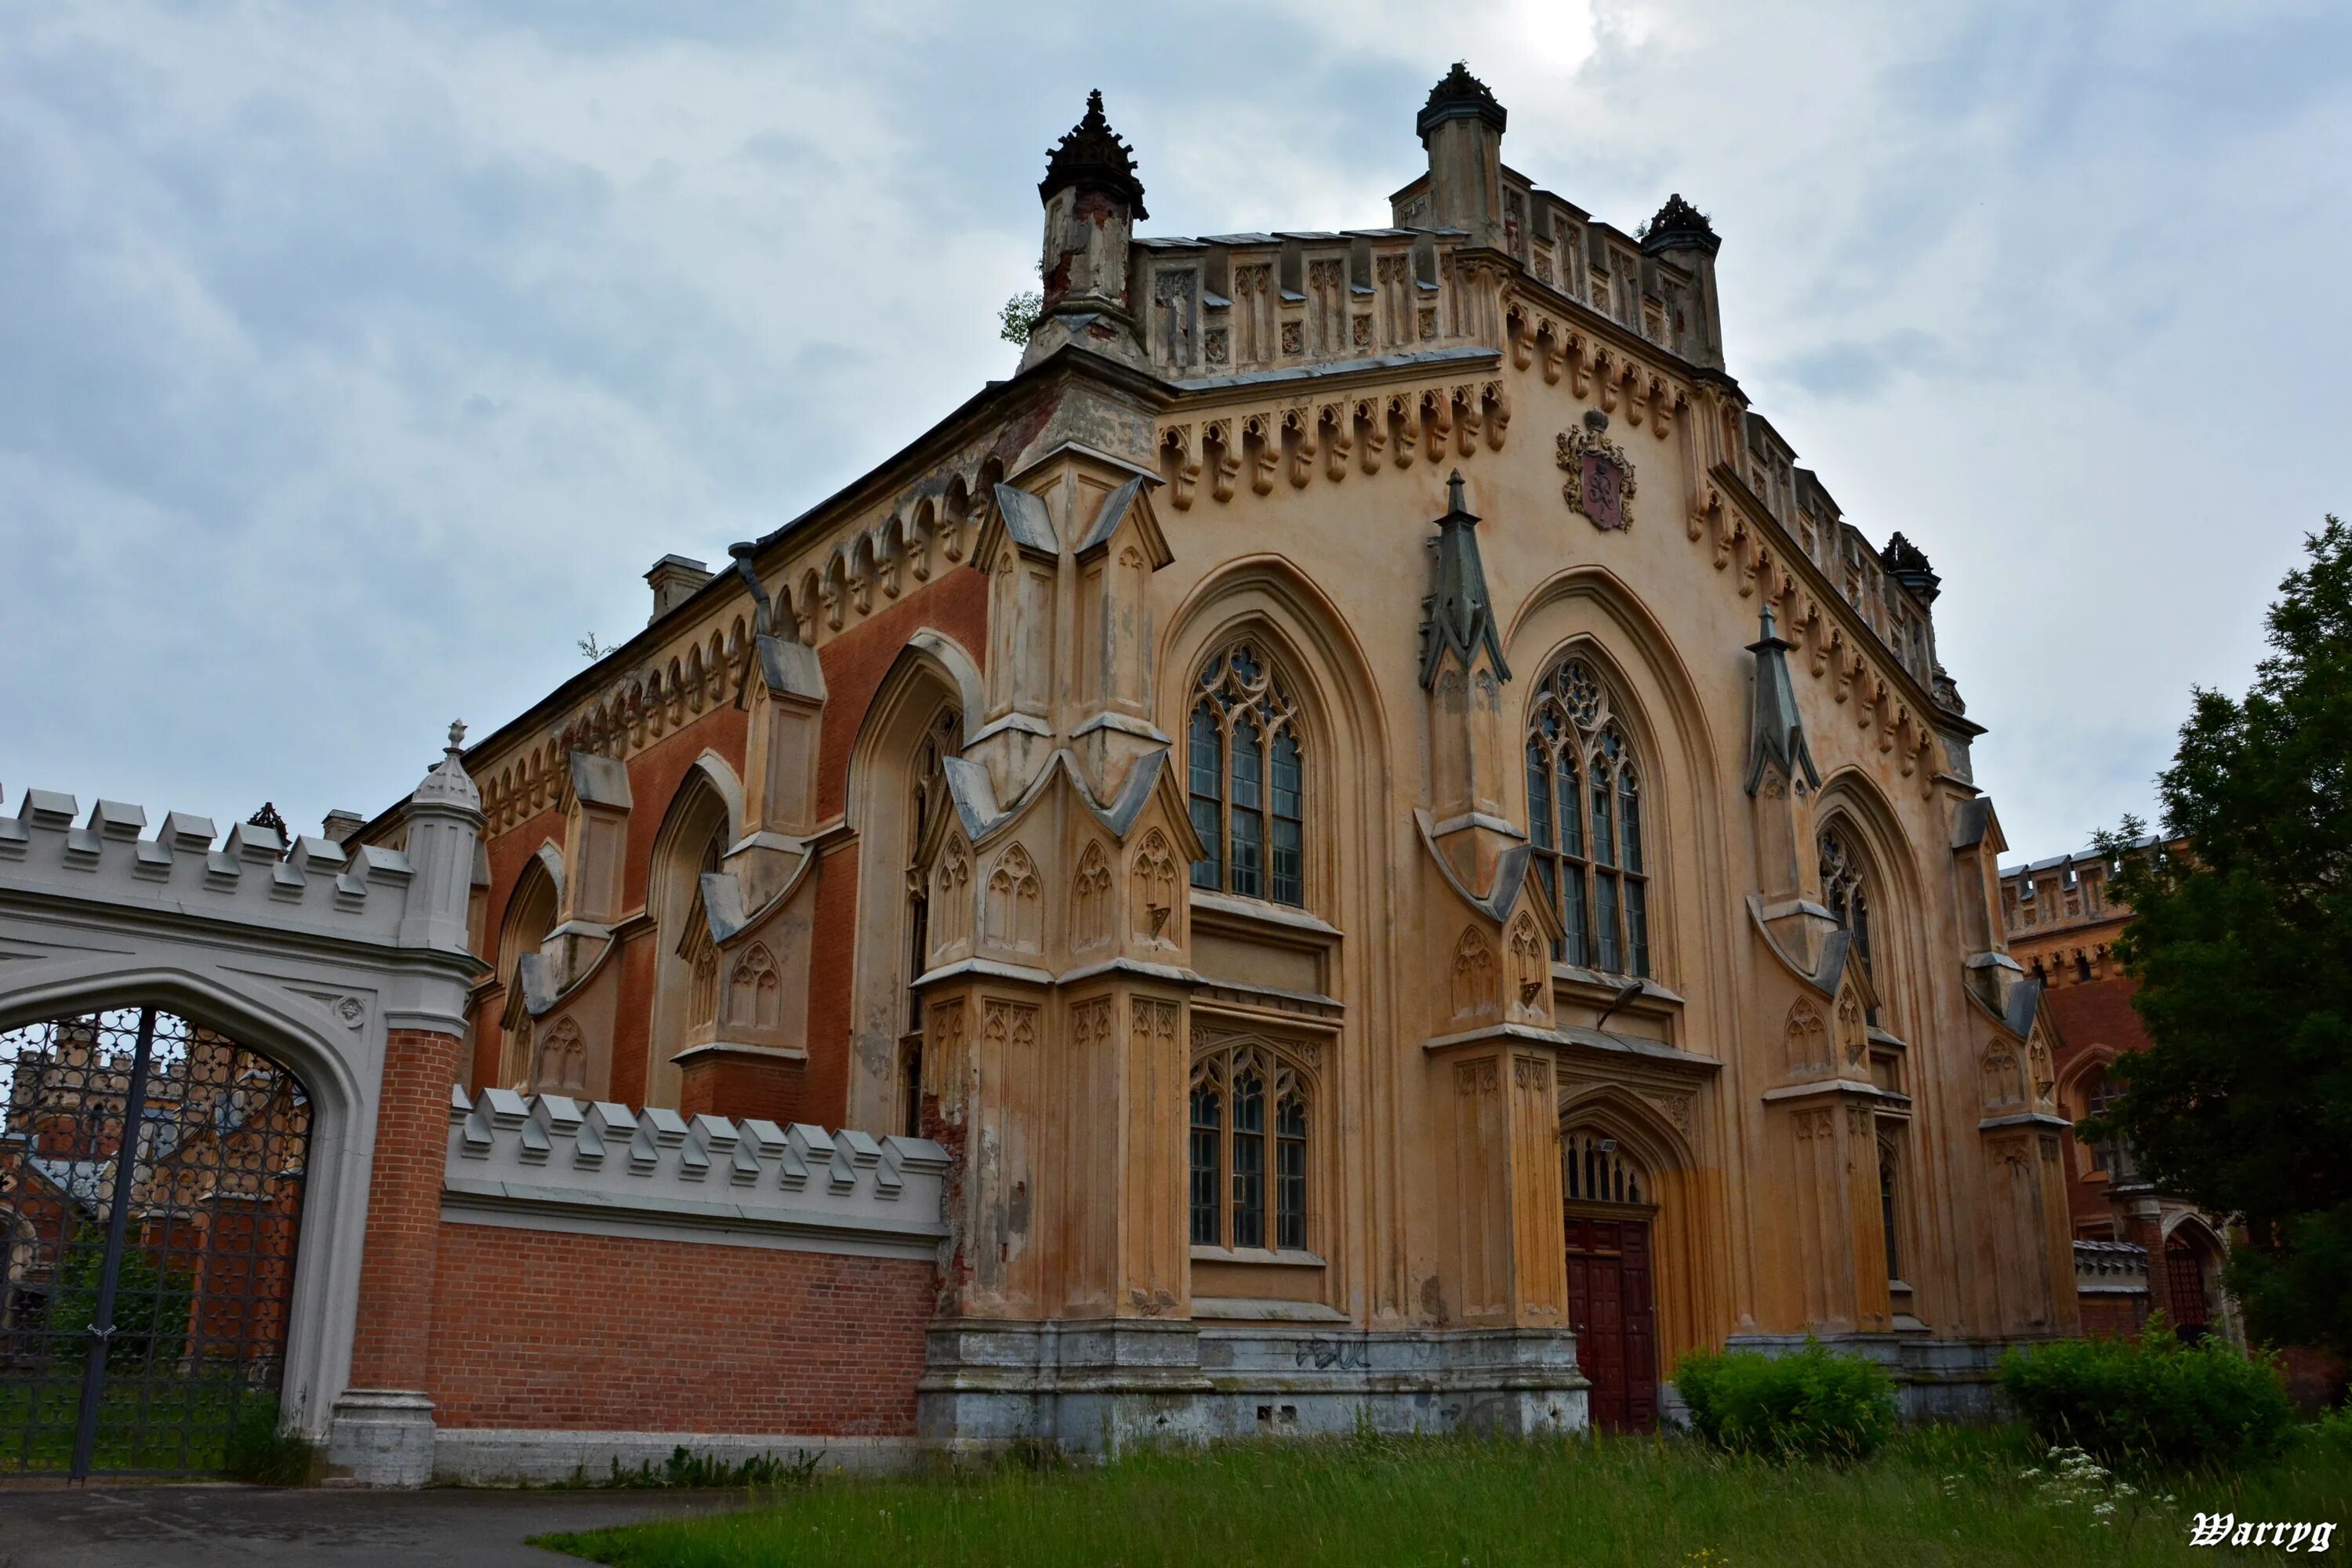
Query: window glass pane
point(1571, 809)
point(1249, 1160)
point(1605, 843)
point(1205, 1139)
point(1249, 857)
point(1604, 922)
point(1207, 773)
point(1289, 830)
point(1249, 763)
point(1249, 823)
point(1637, 928)
point(1290, 1174)
point(1540, 818)
point(1573, 948)
point(1629, 809)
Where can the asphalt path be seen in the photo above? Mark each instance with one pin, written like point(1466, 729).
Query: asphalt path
point(48, 1525)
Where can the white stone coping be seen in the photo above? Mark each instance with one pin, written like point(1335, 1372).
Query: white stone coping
point(253, 875)
point(551, 1163)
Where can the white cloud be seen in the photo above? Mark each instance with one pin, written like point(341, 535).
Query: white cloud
point(362, 356)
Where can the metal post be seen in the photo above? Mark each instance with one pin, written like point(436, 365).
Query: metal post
point(101, 1320)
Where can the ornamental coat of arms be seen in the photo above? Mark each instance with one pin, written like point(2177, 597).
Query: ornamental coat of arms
point(1599, 481)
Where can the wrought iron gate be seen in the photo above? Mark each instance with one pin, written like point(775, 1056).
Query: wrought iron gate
point(150, 1189)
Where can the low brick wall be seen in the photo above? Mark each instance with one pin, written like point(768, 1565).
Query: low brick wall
point(544, 1329)
point(612, 1284)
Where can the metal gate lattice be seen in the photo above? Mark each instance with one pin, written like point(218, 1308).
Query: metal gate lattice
point(150, 1189)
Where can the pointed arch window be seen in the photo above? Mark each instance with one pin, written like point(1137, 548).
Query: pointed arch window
point(1250, 1143)
point(1586, 823)
point(927, 800)
point(1245, 780)
point(1890, 1211)
point(1846, 888)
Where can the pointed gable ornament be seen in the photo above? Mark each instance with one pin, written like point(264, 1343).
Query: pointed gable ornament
point(1777, 735)
point(1460, 615)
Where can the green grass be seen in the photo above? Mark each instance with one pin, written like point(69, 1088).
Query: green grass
point(1935, 1496)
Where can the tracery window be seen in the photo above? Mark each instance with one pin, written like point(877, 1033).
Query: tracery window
point(1847, 892)
point(1585, 822)
point(1249, 1150)
point(1246, 780)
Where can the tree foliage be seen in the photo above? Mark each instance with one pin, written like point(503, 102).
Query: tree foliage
point(1017, 318)
point(2242, 944)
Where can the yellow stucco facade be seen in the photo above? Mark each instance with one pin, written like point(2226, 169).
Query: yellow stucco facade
point(1369, 943)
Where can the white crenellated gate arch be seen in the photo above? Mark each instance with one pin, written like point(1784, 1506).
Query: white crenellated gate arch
point(319, 959)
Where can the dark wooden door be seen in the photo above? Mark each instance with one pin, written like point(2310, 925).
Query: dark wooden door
point(1610, 1306)
point(2184, 1275)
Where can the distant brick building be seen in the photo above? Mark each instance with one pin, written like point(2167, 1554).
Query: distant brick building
point(2136, 1250)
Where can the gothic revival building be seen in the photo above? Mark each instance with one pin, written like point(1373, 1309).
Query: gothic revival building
point(1410, 859)
point(2136, 1250)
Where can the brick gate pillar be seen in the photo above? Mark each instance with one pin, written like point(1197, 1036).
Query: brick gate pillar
point(381, 1432)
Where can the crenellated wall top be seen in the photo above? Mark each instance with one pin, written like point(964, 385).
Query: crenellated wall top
point(547, 1161)
point(186, 868)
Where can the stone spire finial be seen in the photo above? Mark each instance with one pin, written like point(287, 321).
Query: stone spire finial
point(1458, 94)
point(1461, 616)
point(448, 784)
point(1092, 157)
point(1776, 736)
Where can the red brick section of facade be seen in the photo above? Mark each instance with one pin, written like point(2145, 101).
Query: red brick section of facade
point(2094, 1018)
point(541, 1330)
point(404, 1214)
point(856, 663)
point(735, 1088)
point(2107, 1318)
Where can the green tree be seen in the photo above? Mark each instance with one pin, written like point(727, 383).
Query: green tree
point(2242, 948)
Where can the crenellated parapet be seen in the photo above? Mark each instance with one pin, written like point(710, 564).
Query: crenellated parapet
point(552, 1163)
point(187, 868)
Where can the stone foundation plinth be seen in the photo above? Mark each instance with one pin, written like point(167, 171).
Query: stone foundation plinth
point(1095, 1388)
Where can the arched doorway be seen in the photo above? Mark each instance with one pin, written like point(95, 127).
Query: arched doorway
point(152, 1172)
point(1611, 1278)
point(2188, 1301)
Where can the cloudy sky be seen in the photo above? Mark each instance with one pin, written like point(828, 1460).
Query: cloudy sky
point(356, 361)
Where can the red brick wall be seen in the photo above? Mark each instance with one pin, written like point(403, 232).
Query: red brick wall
point(538, 1329)
point(955, 602)
point(2112, 1317)
point(403, 1212)
point(855, 662)
point(2090, 1015)
point(738, 1086)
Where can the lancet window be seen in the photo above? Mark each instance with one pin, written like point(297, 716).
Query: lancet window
point(927, 800)
point(1249, 1149)
point(1246, 780)
point(2100, 1093)
point(1846, 888)
point(1890, 1211)
point(1586, 823)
